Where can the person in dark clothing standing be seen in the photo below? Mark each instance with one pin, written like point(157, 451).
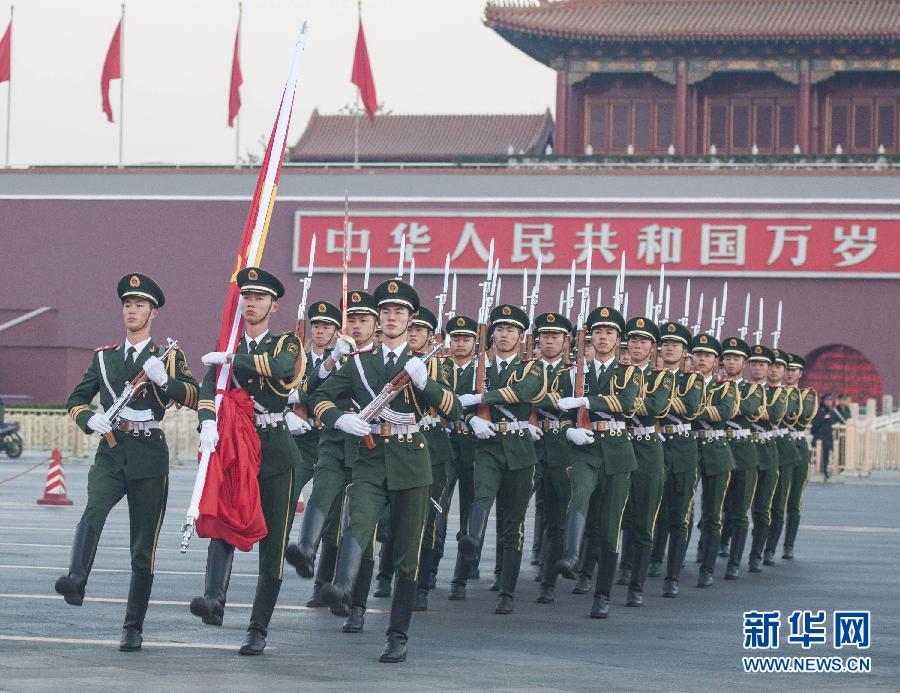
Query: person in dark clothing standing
point(821, 430)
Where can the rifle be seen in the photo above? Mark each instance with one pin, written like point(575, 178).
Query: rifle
point(686, 317)
point(699, 322)
point(619, 294)
point(720, 320)
point(531, 303)
point(300, 330)
point(345, 267)
point(742, 332)
point(442, 299)
point(481, 348)
point(379, 406)
point(132, 389)
point(582, 418)
point(759, 326)
point(776, 335)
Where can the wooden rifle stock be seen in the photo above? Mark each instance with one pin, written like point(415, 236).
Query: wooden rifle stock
point(529, 354)
point(582, 418)
point(484, 411)
point(300, 366)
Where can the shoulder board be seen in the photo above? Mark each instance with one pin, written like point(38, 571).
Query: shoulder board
point(107, 347)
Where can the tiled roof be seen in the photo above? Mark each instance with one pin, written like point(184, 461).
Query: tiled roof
point(422, 137)
point(630, 20)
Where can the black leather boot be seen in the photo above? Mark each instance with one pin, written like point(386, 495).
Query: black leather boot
point(626, 558)
point(553, 552)
point(772, 540)
point(587, 566)
point(338, 593)
point(509, 576)
point(736, 553)
point(267, 588)
point(727, 532)
point(790, 534)
point(537, 540)
point(606, 573)
point(677, 549)
point(565, 566)
point(401, 614)
point(757, 545)
point(356, 620)
point(84, 548)
point(421, 601)
point(460, 576)
point(638, 575)
point(302, 555)
point(385, 575)
point(138, 598)
point(710, 554)
point(211, 606)
point(324, 573)
point(498, 555)
point(470, 543)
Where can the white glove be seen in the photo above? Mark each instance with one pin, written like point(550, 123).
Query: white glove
point(99, 424)
point(209, 436)
point(418, 372)
point(296, 425)
point(352, 424)
point(156, 371)
point(536, 432)
point(572, 403)
point(215, 358)
point(341, 348)
point(579, 436)
point(294, 397)
point(470, 400)
point(481, 428)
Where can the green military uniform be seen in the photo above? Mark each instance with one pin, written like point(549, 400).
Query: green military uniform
point(504, 462)
point(647, 481)
point(788, 460)
point(600, 469)
point(681, 459)
point(767, 471)
point(264, 367)
point(809, 405)
point(746, 460)
point(322, 516)
point(461, 468)
point(721, 402)
point(395, 471)
point(137, 466)
point(553, 453)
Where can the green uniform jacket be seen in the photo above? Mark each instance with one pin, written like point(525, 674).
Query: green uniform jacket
point(553, 449)
point(809, 406)
point(721, 403)
point(680, 449)
point(463, 384)
point(401, 464)
point(750, 410)
point(787, 451)
point(308, 443)
point(775, 406)
point(181, 389)
point(436, 436)
point(268, 377)
point(524, 383)
point(656, 398)
point(613, 395)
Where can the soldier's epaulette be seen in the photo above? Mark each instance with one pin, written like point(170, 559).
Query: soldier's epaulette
point(107, 347)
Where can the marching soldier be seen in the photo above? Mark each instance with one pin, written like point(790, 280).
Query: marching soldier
point(682, 457)
point(462, 331)
point(396, 469)
point(504, 452)
point(133, 459)
point(716, 461)
point(647, 481)
point(553, 450)
point(263, 365)
point(760, 360)
point(602, 457)
point(788, 457)
point(809, 405)
point(744, 450)
point(322, 514)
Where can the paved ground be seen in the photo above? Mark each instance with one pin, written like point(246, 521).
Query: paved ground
point(847, 557)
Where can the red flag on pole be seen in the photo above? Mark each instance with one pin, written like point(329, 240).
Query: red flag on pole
point(6, 55)
point(237, 79)
point(112, 69)
point(362, 74)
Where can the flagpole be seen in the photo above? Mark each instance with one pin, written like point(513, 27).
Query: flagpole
point(9, 87)
point(122, 85)
point(237, 118)
point(356, 109)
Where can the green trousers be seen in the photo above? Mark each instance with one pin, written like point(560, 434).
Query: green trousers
point(782, 491)
point(557, 491)
point(366, 502)
point(740, 496)
point(645, 493)
point(600, 497)
point(676, 503)
point(511, 488)
point(146, 507)
point(330, 480)
point(799, 475)
point(761, 507)
point(438, 485)
point(712, 500)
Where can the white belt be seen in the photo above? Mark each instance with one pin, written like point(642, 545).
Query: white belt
point(549, 425)
point(798, 435)
point(642, 430)
point(783, 431)
point(611, 425)
point(712, 433)
point(429, 421)
point(670, 429)
point(504, 427)
point(266, 420)
point(137, 427)
point(385, 429)
point(737, 433)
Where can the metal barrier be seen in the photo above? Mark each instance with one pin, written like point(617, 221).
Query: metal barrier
point(44, 429)
point(864, 445)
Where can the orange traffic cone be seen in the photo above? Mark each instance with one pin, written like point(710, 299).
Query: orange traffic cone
point(55, 488)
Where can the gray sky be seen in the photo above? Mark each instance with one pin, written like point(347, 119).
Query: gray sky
point(428, 56)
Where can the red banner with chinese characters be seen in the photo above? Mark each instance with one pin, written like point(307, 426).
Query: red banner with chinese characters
point(755, 244)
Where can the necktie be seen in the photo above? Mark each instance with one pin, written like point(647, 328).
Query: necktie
point(317, 363)
point(390, 360)
point(601, 370)
point(252, 346)
point(129, 358)
point(459, 373)
point(502, 370)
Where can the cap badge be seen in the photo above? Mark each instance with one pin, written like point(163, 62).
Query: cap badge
point(551, 318)
point(506, 310)
point(460, 322)
point(671, 327)
point(393, 288)
point(757, 350)
point(322, 308)
point(604, 312)
point(640, 322)
point(703, 339)
point(355, 297)
point(135, 281)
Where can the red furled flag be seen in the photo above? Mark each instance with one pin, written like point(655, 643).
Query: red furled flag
point(112, 69)
point(237, 79)
point(6, 55)
point(362, 74)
